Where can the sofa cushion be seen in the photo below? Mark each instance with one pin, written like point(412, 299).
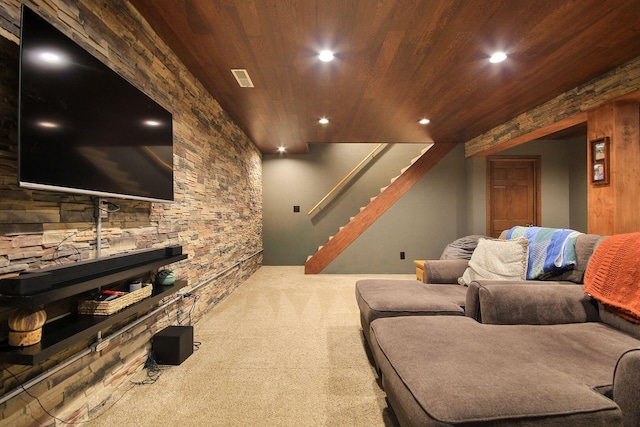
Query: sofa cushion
point(537, 303)
point(612, 319)
point(585, 245)
point(454, 370)
point(496, 259)
point(444, 271)
point(393, 297)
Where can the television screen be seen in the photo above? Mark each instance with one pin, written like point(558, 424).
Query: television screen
point(82, 127)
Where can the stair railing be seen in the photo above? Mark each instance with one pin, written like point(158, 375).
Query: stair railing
point(370, 156)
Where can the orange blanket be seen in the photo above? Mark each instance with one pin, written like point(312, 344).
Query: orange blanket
point(613, 275)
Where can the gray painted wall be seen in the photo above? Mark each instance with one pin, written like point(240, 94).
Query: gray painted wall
point(447, 203)
point(428, 217)
point(563, 181)
point(578, 183)
point(288, 180)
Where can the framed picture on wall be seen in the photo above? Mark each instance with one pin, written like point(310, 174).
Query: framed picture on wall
point(600, 161)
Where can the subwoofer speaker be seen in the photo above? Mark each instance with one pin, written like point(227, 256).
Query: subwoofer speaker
point(173, 344)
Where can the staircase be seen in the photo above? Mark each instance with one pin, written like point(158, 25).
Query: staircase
point(378, 205)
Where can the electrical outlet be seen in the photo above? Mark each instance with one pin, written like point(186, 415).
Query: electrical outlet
point(296, 208)
point(401, 255)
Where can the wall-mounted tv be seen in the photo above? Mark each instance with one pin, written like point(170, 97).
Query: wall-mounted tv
point(82, 127)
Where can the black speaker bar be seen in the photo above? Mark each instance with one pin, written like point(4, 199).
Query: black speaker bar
point(33, 282)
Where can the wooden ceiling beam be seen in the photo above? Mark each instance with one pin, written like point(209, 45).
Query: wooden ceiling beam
point(538, 133)
point(565, 110)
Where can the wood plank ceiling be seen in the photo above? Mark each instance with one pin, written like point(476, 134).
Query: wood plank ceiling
point(396, 61)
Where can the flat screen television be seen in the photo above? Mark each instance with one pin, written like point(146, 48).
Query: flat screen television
point(82, 127)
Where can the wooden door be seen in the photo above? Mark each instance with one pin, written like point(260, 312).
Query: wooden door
point(513, 192)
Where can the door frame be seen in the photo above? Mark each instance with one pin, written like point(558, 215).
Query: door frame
point(537, 181)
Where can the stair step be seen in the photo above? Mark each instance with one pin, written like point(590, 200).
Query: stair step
point(320, 260)
point(381, 190)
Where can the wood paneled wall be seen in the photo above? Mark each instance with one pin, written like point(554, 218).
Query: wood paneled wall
point(615, 207)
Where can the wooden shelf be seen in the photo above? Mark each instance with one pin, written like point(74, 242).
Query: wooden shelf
point(63, 333)
point(87, 283)
point(62, 282)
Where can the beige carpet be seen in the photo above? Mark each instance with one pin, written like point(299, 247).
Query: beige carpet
point(284, 349)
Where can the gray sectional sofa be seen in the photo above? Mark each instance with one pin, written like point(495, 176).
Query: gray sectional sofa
point(532, 353)
point(439, 294)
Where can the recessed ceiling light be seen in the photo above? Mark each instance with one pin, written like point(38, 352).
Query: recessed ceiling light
point(325, 56)
point(323, 121)
point(424, 121)
point(51, 58)
point(498, 57)
point(48, 58)
point(281, 149)
point(49, 125)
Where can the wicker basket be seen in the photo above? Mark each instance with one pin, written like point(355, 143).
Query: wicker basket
point(105, 308)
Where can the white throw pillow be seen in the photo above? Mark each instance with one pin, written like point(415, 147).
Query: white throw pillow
point(498, 260)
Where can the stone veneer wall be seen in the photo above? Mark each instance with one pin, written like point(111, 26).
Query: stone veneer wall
point(615, 84)
point(216, 216)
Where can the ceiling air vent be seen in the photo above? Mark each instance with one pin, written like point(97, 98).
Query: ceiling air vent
point(242, 77)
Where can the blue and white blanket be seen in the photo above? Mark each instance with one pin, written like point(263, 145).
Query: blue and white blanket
point(551, 250)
